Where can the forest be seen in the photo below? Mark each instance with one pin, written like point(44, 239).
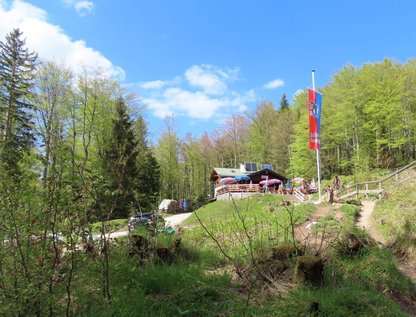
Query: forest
point(75, 150)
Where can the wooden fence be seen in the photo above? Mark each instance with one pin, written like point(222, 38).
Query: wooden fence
point(377, 187)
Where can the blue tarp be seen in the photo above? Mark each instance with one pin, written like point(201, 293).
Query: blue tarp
point(242, 178)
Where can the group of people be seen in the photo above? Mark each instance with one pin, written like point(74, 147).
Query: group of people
point(330, 190)
point(275, 188)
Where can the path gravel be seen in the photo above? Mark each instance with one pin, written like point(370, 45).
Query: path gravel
point(366, 220)
point(176, 220)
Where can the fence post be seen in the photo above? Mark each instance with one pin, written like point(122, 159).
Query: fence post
point(381, 190)
point(366, 190)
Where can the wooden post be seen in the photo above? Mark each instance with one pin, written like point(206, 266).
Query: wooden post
point(380, 188)
point(366, 190)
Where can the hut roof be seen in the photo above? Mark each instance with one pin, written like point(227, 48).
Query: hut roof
point(226, 172)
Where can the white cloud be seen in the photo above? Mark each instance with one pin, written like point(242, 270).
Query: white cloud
point(155, 84)
point(50, 41)
point(213, 99)
point(210, 78)
point(274, 84)
point(83, 7)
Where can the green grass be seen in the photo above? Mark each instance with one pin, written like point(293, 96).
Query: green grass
point(351, 213)
point(375, 268)
point(110, 226)
point(395, 216)
point(265, 218)
point(334, 224)
point(353, 286)
point(182, 288)
point(328, 223)
point(348, 299)
point(200, 282)
point(187, 288)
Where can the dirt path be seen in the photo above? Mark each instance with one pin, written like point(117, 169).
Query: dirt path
point(176, 220)
point(305, 235)
point(366, 221)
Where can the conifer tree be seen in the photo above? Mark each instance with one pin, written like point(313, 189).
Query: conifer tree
point(148, 170)
point(120, 165)
point(17, 71)
point(284, 104)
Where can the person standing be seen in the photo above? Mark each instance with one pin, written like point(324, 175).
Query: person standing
point(330, 192)
point(337, 182)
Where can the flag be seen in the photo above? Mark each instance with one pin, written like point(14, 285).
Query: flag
point(314, 110)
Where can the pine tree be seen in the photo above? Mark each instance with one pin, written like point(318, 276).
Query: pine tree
point(17, 71)
point(284, 104)
point(148, 170)
point(120, 165)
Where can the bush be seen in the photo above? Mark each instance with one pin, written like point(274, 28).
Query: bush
point(109, 226)
point(284, 251)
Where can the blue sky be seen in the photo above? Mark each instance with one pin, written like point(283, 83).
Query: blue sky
point(204, 60)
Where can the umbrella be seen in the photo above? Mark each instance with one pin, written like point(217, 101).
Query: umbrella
point(227, 180)
point(271, 181)
point(241, 178)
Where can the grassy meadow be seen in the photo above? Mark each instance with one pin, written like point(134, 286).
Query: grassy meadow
point(200, 280)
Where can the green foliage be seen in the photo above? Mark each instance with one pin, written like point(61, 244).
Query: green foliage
point(350, 210)
point(53, 91)
point(177, 290)
point(265, 219)
point(376, 268)
point(395, 217)
point(110, 226)
point(260, 132)
point(148, 177)
point(350, 298)
point(96, 161)
point(120, 166)
point(167, 155)
point(284, 104)
point(17, 70)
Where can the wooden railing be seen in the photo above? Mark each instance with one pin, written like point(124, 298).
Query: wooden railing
point(298, 194)
point(378, 186)
point(236, 188)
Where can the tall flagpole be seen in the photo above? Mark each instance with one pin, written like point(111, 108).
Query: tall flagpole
point(317, 150)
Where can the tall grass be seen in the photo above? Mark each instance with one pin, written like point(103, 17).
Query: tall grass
point(395, 216)
point(181, 288)
point(199, 282)
point(247, 225)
